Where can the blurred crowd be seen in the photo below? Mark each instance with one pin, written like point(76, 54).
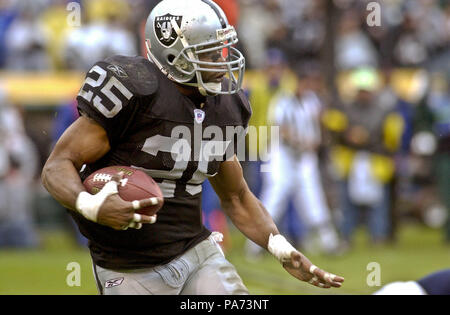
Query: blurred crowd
point(363, 110)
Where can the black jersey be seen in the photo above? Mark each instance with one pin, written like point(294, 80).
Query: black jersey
point(153, 127)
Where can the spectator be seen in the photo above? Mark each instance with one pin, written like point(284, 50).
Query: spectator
point(26, 43)
point(18, 166)
point(301, 32)
point(7, 16)
point(54, 23)
point(436, 283)
point(409, 50)
point(254, 30)
point(353, 47)
point(366, 136)
point(438, 104)
point(100, 37)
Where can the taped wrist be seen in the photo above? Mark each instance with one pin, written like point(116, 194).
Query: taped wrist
point(89, 205)
point(280, 247)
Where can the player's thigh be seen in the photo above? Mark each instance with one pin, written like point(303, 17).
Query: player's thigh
point(141, 282)
point(215, 277)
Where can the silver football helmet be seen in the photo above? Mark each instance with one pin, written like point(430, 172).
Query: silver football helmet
point(178, 31)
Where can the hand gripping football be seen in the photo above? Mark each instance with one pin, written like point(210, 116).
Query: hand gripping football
point(135, 185)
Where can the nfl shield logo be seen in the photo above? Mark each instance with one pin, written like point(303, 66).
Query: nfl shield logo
point(199, 116)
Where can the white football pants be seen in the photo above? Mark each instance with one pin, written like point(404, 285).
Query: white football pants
point(202, 270)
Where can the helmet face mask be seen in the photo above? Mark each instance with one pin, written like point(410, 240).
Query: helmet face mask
point(196, 47)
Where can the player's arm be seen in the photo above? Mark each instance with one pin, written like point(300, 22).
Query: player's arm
point(241, 205)
point(249, 215)
point(106, 100)
point(85, 142)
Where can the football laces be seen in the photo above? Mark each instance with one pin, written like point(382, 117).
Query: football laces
point(99, 177)
point(102, 177)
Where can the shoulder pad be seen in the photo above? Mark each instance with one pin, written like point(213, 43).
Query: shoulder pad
point(246, 108)
point(110, 91)
point(233, 109)
point(111, 85)
point(137, 73)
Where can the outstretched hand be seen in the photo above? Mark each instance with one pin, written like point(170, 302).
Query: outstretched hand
point(301, 268)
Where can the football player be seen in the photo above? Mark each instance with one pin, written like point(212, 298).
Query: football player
point(130, 108)
point(436, 283)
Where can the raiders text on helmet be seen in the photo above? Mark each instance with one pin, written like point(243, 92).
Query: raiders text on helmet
point(178, 31)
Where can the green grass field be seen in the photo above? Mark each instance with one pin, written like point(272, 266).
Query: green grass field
point(419, 251)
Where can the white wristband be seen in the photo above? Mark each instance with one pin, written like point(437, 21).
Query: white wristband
point(280, 247)
point(89, 205)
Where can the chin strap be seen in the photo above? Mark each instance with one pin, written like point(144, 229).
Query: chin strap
point(202, 90)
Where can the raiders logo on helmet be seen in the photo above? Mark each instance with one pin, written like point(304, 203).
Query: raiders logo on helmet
point(164, 30)
point(205, 29)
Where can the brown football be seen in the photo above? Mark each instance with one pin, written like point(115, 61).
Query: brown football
point(135, 185)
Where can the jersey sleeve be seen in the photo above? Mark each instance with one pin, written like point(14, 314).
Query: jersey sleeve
point(240, 129)
point(109, 95)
